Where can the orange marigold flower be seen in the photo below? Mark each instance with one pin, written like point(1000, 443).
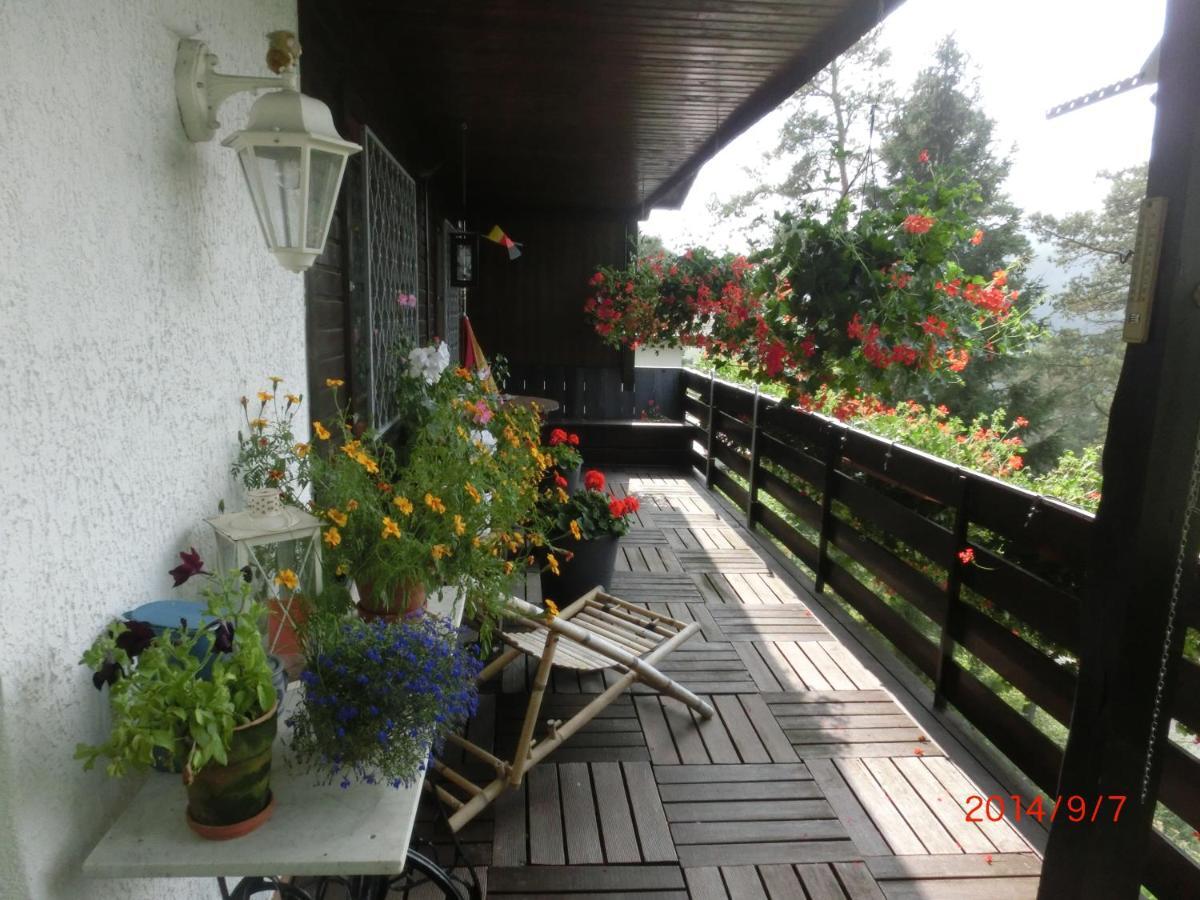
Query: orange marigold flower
point(301, 450)
point(439, 551)
point(977, 237)
point(332, 536)
point(390, 528)
point(435, 504)
point(460, 527)
point(287, 578)
point(336, 516)
point(260, 424)
point(552, 563)
point(320, 430)
point(334, 382)
point(551, 608)
point(264, 396)
point(404, 505)
point(351, 505)
point(576, 531)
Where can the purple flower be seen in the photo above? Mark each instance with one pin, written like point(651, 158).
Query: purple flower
point(191, 565)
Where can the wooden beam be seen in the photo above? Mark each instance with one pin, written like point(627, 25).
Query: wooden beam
point(1139, 528)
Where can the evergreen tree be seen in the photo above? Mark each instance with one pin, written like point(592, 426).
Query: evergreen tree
point(1080, 361)
point(942, 125)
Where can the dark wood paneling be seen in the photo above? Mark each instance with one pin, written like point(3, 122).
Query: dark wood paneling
point(531, 309)
point(594, 105)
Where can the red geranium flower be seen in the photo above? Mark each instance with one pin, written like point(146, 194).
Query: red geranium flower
point(967, 556)
point(593, 480)
point(617, 508)
point(557, 436)
point(559, 481)
point(573, 439)
point(917, 224)
point(632, 504)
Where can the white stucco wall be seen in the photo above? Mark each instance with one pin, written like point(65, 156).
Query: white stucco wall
point(137, 303)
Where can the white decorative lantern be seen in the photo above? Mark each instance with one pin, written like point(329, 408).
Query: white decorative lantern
point(293, 160)
point(290, 539)
point(291, 154)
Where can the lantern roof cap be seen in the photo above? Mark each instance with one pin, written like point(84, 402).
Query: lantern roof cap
point(244, 525)
point(287, 113)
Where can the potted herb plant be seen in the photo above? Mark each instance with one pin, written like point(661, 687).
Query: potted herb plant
point(378, 695)
point(271, 464)
point(206, 693)
point(586, 530)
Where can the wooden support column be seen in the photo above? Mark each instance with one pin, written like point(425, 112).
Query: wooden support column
point(954, 569)
point(1148, 462)
point(752, 485)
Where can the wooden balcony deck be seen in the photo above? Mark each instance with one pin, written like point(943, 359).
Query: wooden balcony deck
point(818, 777)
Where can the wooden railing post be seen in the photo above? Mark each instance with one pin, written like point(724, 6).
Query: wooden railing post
point(752, 483)
point(833, 455)
point(712, 415)
point(953, 590)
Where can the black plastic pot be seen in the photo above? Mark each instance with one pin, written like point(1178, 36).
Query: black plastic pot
point(574, 478)
point(593, 564)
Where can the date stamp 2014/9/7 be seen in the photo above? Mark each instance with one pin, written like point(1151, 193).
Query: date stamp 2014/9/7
point(1072, 808)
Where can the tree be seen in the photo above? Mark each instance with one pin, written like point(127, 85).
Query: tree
point(943, 126)
point(1080, 361)
point(823, 153)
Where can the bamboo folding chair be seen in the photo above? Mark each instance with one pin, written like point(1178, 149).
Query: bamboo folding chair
point(596, 632)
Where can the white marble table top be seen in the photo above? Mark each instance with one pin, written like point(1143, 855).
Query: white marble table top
point(315, 829)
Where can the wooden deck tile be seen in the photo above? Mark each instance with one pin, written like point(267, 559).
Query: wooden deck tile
point(625, 880)
point(810, 781)
point(705, 884)
point(580, 821)
point(616, 819)
point(654, 834)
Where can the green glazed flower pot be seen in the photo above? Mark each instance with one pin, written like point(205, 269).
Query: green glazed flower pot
point(228, 801)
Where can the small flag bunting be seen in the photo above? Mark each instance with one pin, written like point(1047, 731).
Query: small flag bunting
point(497, 236)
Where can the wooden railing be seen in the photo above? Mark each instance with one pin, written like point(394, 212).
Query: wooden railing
point(882, 526)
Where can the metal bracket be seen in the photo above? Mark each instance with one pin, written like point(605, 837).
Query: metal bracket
point(201, 90)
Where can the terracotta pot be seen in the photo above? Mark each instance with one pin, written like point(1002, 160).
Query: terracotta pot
point(282, 639)
point(406, 600)
point(228, 801)
point(593, 564)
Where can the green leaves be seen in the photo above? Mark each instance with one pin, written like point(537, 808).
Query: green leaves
point(164, 703)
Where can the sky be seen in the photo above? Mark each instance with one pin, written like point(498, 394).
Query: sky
point(1030, 55)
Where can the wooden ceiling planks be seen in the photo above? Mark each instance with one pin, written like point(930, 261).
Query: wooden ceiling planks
point(611, 105)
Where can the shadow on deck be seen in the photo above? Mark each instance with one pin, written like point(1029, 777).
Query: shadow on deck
point(819, 776)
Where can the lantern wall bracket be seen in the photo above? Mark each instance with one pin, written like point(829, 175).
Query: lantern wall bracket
point(201, 89)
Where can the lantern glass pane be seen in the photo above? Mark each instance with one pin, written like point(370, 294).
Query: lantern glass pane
point(324, 173)
point(279, 170)
point(250, 172)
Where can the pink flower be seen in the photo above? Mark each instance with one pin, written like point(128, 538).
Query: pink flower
point(483, 412)
point(923, 156)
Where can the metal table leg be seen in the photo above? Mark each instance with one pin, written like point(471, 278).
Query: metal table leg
point(419, 870)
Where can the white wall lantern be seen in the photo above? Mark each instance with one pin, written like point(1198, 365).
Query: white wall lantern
point(290, 152)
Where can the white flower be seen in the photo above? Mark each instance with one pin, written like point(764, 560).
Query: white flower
point(429, 363)
point(486, 438)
